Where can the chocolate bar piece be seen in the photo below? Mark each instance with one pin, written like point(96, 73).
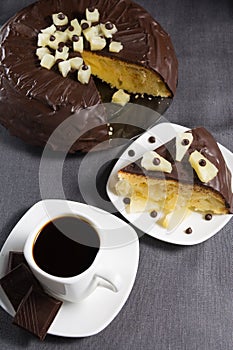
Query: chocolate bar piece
point(36, 312)
point(15, 259)
point(17, 283)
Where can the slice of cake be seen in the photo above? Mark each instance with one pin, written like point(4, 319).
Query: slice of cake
point(189, 171)
point(50, 52)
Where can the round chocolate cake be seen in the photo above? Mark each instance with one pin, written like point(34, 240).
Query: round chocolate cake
point(123, 46)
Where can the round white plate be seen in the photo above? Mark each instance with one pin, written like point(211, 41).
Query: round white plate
point(94, 313)
point(202, 229)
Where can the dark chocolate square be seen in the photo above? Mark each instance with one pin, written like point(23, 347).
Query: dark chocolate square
point(17, 283)
point(15, 259)
point(36, 312)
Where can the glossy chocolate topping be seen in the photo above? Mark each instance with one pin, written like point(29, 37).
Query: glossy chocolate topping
point(204, 143)
point(34, 101)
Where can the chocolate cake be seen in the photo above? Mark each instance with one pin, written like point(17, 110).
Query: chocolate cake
point(188, 171)
point(137, 57)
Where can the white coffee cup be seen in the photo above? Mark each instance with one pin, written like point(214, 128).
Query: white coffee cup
point(80, 286)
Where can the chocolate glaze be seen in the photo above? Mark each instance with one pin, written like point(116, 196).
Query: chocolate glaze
point(182, 171)
point(34, 101)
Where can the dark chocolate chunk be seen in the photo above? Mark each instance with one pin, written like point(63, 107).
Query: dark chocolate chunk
point(188, 230)
point(69, 43)
point(131, 153)
point(52, 38)
point(60, 49)
point(61, 44)
point(15, 259)
point(36, 312)
point(84, 25)
point(126, 200)
point(208, 217)
point(71, 28)
point(75, 38)
point(17, 283)
point(84, 67)
point(156, 161)
point(61, 16)
point(202, 162)
point(153, 214)
point(91, 9)
point(152, 139)
point(109, 26)
point(185, 142)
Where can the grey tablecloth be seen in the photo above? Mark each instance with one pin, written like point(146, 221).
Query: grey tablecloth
point(183, 296)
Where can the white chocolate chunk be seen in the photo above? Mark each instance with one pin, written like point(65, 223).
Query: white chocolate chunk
point(47, 61)
point(73, 29)
point(91, 32)
point(77, 28)
point(53, 44)
point(43, 39)
point(62, 36)
point(205, 172)
point(181, 147)
point(84, 74)
point(97, 43)
point(120, 97)
point(64, 68)
point(49, 30)
point(70, 34)
point(62, 55)
point(115, 46)
point(76, 62)
point(60, 21)
point(108, 32)
point(41, 52)
point(149, 164)
point(59, 37)
point(92, 16)
point(78, 45)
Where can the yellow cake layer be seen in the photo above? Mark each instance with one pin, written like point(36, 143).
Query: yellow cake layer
point(168, 195)
point(127, 76)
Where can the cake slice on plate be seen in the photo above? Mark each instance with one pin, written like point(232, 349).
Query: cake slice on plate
point(189, 172)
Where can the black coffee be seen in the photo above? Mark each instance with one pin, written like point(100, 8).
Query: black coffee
point(66, 246)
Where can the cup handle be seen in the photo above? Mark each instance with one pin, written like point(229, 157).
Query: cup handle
point(107, 279)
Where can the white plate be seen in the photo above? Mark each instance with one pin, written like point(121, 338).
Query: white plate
point(94, 313)
point(202, 229)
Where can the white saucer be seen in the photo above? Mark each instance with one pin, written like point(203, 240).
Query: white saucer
point(202, 229)
point(94, 313)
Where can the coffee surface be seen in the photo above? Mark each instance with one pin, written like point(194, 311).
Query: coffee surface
point(66, 246)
